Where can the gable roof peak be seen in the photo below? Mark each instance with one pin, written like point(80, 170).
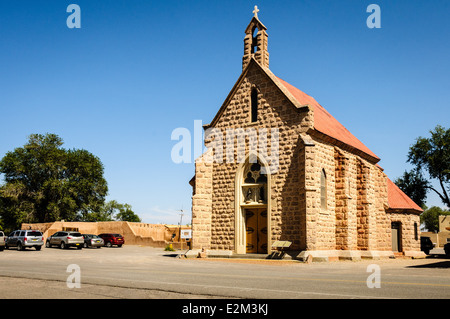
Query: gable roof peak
point(255, 23)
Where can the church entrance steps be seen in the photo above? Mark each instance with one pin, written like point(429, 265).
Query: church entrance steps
point(250, 256)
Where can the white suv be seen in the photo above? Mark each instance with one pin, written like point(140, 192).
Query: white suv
point(65, 239)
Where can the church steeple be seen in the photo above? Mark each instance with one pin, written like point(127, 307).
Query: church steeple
point(255, 42)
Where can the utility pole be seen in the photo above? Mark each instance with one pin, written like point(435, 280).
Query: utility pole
point(181, 220)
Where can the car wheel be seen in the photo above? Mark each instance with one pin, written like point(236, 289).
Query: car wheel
point(119, 245)
point(37, 248)
point(85, 245)
point(19, 246)
point(47, 244)
point(108, 244)
point(427, 252)
point(2, 247)
point(62, 245)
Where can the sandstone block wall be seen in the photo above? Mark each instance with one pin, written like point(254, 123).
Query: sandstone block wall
point(356, 215)
point(202, 203)
point(286, 204)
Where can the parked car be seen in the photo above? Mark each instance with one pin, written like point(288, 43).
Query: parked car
point(113, 239)
point(447, 249)
point(2, 240)
point(93, 241)
point(25, 238)
point(426, 244)
point(65, 239)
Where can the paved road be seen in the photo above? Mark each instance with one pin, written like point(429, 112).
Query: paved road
point(144, 272)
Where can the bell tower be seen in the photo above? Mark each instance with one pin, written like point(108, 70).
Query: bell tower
point(255, 42)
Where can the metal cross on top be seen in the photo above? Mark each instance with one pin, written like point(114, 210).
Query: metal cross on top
point(255, 12)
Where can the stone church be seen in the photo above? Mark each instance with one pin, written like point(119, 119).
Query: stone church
point(325, 198)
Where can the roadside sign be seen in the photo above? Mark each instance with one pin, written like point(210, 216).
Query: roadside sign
point(186, 233)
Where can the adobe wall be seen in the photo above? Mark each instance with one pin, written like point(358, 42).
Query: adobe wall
point(154, 235)
point(444, 223)
point(439, 239)
point(443, 236)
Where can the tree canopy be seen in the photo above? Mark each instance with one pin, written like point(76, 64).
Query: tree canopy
point(414, 185)
point(45, 182)
point(430, 156)
point(112, 210)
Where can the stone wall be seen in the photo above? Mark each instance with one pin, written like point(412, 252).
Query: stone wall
point(409, 241)
point(202, 203)
point(355, 217)
point(274, 111)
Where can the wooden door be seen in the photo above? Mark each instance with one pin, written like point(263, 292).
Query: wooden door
point(395, 230)
point(256, 230)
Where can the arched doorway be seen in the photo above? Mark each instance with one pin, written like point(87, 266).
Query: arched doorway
point(252, 220)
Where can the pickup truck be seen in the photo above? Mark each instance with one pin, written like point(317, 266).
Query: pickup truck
point(2, 240)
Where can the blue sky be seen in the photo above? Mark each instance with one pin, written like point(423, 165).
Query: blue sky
point(137, 70)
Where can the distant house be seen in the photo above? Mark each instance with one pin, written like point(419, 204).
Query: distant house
point(443, 236)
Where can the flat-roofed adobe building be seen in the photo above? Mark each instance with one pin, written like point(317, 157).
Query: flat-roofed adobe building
point(314, 184)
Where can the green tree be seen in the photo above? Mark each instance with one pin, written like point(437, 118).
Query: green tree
point(430, 218)
point(432, 155)
point(104, 214)
point(45, 182)
point(112, 210)
point(414, 185)
point(126, 214)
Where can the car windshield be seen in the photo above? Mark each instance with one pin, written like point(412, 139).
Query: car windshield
point(34, 233)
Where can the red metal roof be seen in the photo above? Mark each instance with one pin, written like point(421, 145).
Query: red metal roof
point(397, 199)
point(325, 123)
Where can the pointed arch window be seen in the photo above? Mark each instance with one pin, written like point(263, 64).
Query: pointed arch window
point(254, 188)
point(323, 190)
point(254, 40)
point(254, 105)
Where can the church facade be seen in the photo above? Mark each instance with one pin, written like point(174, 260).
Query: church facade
point(293, 174)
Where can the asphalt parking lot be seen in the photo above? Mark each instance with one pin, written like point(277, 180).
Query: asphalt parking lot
point(139, 272)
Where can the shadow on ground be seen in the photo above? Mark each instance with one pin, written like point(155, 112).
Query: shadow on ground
point(435, 262)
